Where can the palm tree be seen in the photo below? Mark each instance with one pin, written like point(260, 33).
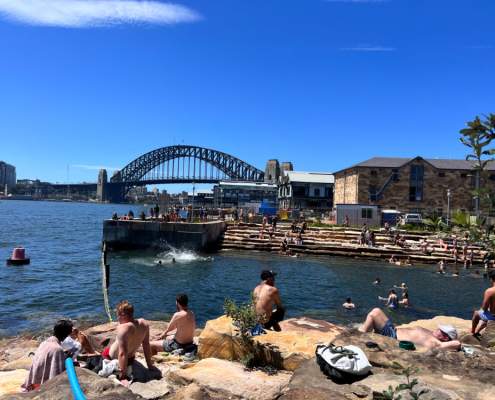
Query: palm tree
point(435, 223)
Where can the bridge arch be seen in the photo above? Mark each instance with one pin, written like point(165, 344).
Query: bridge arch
point(158, 166)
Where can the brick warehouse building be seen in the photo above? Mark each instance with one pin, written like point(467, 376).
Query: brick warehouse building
point(411, 184)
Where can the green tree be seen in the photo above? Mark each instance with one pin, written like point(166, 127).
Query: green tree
point(477, 136)
point(435, 223)
point(244, 318)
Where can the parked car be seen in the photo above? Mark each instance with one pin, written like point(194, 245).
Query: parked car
point(412, 219)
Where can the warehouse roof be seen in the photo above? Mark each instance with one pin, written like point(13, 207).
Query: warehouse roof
point(397, 162)
point(310, 177)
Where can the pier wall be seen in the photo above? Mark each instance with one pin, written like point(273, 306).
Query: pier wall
point(137, 234)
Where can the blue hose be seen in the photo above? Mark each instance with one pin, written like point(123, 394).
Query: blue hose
point(74, 383)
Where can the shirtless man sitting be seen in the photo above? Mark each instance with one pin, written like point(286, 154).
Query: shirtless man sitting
point(443, 338)
point(487, 311)
point(266, 295)
point(131, 334)
point(180, 331)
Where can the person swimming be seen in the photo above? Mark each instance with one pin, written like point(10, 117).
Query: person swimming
point(349, 305)
point(441, 267)
point(377, 281)
point(405, 299)
point(392, 300)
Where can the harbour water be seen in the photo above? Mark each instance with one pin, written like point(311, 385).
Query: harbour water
point(64, 277)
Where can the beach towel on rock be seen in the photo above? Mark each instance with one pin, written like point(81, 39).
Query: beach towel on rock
point(48, 362)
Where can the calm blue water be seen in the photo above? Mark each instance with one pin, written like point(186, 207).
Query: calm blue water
point(64, 277)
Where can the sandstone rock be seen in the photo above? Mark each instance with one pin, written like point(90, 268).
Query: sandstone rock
point(193, 392)
point(285, 350)
point(231, 380)
point(14, 353)
point(21, 363)
point(488, 335)
point(151, 390)
point(309, 382)
point(312, 394)
point(93, 386)
point(11, 381)
point(447, 375)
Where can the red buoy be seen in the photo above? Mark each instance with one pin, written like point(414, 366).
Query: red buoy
point(18, 257)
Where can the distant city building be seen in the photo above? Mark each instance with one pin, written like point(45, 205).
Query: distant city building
point(238, 194)
point(306, 190)
point(7, 175)
point(101, 193)
point(286, 166)
point(414, 185)
point(201, 198)
point(272, 171)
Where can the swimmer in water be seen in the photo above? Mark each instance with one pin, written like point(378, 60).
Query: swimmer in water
point(377, 281)
point(402, 286)
point(159, 262)
point(173, 260)
point(405, 300)
point(392, 300)
point(349, 305)
point(441, 267)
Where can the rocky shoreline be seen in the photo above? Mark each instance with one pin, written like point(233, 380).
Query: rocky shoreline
point(218, 374)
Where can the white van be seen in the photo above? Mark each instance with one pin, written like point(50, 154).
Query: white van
point(412, 219)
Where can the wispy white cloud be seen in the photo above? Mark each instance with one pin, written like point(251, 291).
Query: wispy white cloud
point(94, 167)
point(93, 13)
point(357, 1)
point(369, 49)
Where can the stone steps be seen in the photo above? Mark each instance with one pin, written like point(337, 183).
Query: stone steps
point(339, 241)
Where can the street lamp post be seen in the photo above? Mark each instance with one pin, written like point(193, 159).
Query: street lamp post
point(477, 198)
point(448, 207)
point(192, 207)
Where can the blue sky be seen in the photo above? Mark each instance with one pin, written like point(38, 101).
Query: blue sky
point(324, 84)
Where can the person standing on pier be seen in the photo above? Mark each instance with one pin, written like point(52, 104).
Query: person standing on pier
point(266, 296)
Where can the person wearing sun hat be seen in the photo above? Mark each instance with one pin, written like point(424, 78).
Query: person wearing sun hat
point(442, 338)
point(448, 330)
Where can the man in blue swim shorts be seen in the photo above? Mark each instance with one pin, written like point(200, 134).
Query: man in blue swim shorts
point(443, 338)
point(487, 310)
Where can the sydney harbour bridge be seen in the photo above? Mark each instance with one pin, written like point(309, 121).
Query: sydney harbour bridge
point(176, 164)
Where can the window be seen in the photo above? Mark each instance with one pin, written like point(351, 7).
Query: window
point(372, 191)
point(327, 192)
point(416, 183)
point(299, 191)
point(441, 174)
point(463, 175)
point(395, 175)
point(366, 213)
point(373, 172)
point(317, 192)
point(492, 177)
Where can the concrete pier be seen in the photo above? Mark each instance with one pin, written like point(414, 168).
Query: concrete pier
point(137, 234)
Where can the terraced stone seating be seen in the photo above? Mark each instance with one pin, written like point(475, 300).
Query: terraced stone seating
point(344, 242)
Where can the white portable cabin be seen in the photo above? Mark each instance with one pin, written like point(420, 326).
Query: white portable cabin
point(358, 214)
